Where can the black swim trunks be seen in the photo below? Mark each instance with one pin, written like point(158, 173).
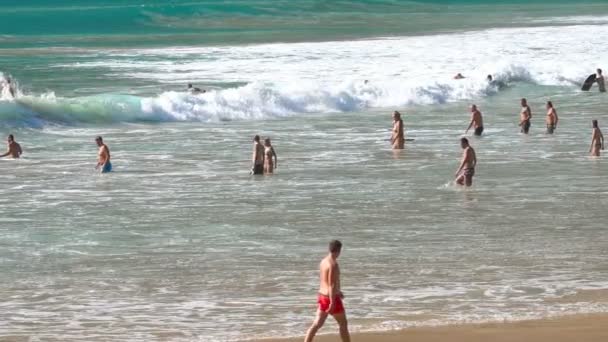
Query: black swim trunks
point(478, 131)
point(550, 129)
point(525, 127)
point(258, 169)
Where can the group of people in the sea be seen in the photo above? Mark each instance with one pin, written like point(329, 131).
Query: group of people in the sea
point(264, 159)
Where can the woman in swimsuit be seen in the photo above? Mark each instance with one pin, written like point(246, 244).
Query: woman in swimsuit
point(398, 137)
point(597, 140)
point(269, 154)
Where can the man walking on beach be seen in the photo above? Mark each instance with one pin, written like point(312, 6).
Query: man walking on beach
point(525, 116)
point(476, 121)
point(257, 159)
point(330, 295)
point(14, 149)
point(466, 170)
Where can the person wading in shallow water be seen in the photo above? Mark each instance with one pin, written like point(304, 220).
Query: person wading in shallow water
point(398, 137)
point(466, 170)
point(330, 295)
point(476, 121)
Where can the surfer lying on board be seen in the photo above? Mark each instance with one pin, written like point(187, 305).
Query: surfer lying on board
point(103, 159)
point(14, 149)
point(599, 79)
point(195, 90)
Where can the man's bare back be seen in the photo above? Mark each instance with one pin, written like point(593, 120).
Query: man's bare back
point(329, 274)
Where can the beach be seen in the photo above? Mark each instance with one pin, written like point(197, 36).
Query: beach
point(577, 328)
point(181, 243)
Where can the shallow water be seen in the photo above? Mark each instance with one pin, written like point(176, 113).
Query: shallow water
point(181, 243)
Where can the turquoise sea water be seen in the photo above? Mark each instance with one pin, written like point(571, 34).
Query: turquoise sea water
point(181, 244)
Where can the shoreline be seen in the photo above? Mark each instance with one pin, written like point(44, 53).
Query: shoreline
point(582, 327)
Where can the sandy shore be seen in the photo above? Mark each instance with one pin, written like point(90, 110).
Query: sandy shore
point(583, 328)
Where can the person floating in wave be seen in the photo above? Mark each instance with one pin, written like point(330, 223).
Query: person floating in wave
point(466, 170)
point(103, 156)
point(459, 76)
point(524, 116)
point(597, 140)
point(489, 79)
point(397, 137)
point(14, 149)
point(476, 121)
point(599, 79)
point(195, 90)
point(270, 158)
point(330, 295)
point(257, 159)
point(552, 118)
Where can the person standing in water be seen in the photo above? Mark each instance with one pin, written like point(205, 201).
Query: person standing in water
point(330, 295)
point(103, 156)
point(397, 138)
point(270, 164)
point(597, 140)
point(466, 170)
point(476, 121)
point(524, 116)
point(552, 118)
point(599, 78)
point(14, 149)
point(257, 158)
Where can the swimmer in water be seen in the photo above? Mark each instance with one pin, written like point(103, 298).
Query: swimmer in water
point(257, 158)
point(599, 78)
point(270, 164)
point(103, 156)
point(466, 170)
point(14, 149)
point(476, 121)
point(8, 83)
point(458, 76)
point(597, 140)
point(195, 90)
point(552, 118)
point(398, 137)
point(524, 116)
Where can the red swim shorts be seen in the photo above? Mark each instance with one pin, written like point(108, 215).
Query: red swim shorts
point(324, 304)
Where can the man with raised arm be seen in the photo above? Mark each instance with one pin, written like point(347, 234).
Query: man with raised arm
point(330, 295)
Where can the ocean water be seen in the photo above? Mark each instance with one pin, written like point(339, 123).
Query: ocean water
point(181, 244)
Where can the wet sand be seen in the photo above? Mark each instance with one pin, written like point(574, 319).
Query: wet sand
point(587, 328)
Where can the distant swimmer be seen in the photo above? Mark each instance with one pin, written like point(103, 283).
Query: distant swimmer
point(597, 140)
point(103, 159)
point(330, 295)
point(458, 76)
point(14, 149)
point(489, 79)
point(8, 83)
point(466, 170)
point(270, 157)
point(398, 137)
point(195, 90)
point(476, 121)
point(257, 159)
point(600, 81)
point(552, 118)
point(524, 116)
